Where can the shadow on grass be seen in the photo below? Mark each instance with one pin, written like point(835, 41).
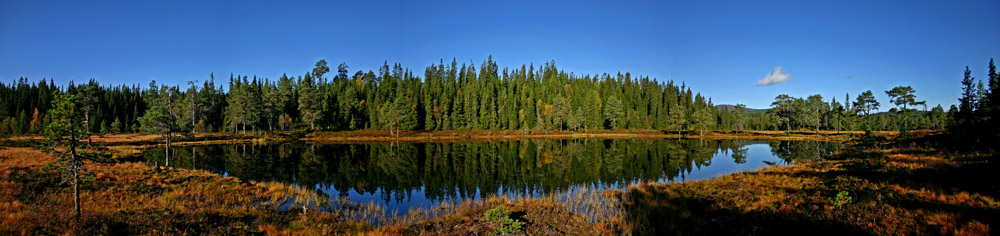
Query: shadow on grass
point(916, 188)
point(948, 187)
point(660, 213)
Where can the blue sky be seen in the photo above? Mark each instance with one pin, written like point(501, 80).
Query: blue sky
point(721, 49)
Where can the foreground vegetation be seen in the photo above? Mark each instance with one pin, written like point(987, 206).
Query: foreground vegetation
point(875, 186)
point(914, 186)
point(133, 198)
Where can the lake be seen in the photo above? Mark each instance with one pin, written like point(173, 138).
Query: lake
point(400, 177)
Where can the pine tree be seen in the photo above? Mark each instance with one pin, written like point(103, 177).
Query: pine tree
point(969, 100)
point(561, 111)
point(939, 119)
point(87, 96)
point(836, 114)
point(702, 120)
point(866, 103)
point(593, 117)
point(309, 102)
point(63, 139)
point(783, 107)
point(192, 105)
point(116, 126)
point(903, 96)
point(159, 117)
point(614, 112)
point(740, 117)
point(818, 108)
point(272, 105)
point(678, 119)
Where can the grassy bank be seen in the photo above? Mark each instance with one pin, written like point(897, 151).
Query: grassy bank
point(416, 136)
point(878, 188)
point(131, 145)
point(134, 198)
point(377, 136)
point(130, 198)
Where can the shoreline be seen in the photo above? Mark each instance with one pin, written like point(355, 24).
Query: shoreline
point(408, 136)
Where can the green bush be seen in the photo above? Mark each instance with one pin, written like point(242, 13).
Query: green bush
point(842, 198)
point(501, 216)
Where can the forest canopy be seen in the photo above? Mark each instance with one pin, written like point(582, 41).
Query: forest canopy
point(452, 96)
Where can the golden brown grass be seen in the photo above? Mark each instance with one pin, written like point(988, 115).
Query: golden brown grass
point(418, 136)
point(134, 198)
point(542, 216)
point(153, 139)
point(905, 188)
point(377, 136)
point(127, 145)
point(900, 190)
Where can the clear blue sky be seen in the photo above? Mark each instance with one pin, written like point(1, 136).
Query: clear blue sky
point(721, 49)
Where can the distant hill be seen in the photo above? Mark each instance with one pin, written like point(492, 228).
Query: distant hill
point(729, 107)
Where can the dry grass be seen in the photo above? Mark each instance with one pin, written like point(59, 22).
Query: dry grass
point(134, 198)
point(900, 190)
point(904, 188)
point(420, 136)
point(541, 216)
point(153, 139)
point(381, 136)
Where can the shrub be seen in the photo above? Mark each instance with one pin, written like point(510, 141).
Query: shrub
point(501, 216)
point(842, 198)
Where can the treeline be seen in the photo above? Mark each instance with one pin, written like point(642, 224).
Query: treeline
point(24, 106)
point(448, 96)
point(459, 97)
point(858, 114)
point(974, 120)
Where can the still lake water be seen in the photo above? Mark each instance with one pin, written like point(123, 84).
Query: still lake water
point(403, 176)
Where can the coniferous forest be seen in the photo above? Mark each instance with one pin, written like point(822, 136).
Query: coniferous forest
point(453, 96)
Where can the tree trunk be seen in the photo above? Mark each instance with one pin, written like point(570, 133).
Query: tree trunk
point(86, 117)
point(836, 129)
point(904, 116)
point(167, 150)
point(76, 178)
point(788, 128)
point(193, 122)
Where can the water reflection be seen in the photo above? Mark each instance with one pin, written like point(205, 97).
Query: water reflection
point(406, 175)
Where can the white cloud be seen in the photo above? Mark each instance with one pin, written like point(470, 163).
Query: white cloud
point(775, 77)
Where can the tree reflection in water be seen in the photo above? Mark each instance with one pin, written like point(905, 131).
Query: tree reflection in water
point(455, 171)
